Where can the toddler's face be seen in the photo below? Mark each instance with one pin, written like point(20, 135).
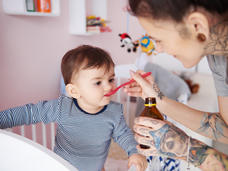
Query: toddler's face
point(92, 85)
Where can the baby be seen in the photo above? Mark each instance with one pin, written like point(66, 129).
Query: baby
point(86, 120)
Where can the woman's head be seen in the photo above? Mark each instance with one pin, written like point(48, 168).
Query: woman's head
point(181, 28)
point(84, 57)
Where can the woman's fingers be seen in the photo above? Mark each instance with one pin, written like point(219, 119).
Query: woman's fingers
point(153, 124)
point(148, 141)
point(134, 94)
point(142, 87)
point(142, 130)
point(133, 89)
point(140, 80)
point(146, 84)
point(147, 152)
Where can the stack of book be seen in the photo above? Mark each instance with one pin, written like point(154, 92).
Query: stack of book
point(38, 5)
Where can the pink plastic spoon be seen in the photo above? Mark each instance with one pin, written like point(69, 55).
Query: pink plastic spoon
point(122, 85)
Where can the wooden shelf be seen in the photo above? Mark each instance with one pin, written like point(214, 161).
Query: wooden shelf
point(18, 7)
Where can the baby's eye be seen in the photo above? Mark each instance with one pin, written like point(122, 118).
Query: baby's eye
point(98, 83)
point(112, 80)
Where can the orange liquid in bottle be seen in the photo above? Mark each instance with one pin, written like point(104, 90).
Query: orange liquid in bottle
point(151, 111)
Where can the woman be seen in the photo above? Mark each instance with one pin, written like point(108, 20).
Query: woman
point(188, 30)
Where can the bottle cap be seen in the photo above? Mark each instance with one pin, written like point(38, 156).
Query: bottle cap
point(150, 100)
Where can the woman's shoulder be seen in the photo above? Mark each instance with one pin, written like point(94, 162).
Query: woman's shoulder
point(218, 66)
point(217, 63)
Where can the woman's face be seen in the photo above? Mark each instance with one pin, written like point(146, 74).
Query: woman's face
point(175, 39)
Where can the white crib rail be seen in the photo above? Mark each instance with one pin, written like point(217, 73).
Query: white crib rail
point(47, 141)
point(44, 135)
point(52, 136)
point(22, 131)
point(34, 133)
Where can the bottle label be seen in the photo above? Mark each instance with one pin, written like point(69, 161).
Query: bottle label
point(149, 105)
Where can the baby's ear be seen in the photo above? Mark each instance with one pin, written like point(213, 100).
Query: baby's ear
point(72, 90)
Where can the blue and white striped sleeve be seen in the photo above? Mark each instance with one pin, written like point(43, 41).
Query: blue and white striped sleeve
point(124, 137)
point(45, 111)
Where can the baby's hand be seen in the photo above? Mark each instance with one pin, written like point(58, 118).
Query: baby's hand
point(139, 161)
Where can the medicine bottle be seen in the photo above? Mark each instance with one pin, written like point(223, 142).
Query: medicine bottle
point(151, 111)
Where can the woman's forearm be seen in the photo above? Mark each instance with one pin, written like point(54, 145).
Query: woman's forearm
point(165, 139)
point(206, 158)
point(207, 124)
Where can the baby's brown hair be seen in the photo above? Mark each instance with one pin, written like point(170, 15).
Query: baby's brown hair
point(84, 57)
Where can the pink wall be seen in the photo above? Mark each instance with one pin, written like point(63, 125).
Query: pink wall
point(32, 48)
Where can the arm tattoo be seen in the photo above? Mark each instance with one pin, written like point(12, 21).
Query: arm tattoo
point(197, 152)
point(158, 91)
point(213, 122)
point(218, 39)
point(170, 141)
point(206, 157)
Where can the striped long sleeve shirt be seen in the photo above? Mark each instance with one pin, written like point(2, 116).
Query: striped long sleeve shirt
point(82, 139)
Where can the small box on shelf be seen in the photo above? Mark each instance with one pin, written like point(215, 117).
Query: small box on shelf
point(43, 6)
point(30, 6)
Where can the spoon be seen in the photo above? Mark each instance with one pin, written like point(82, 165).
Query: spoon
point(122, 85)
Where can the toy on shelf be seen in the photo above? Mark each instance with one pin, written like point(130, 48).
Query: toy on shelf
point(96, 24)
point(147, 45)
point(126, 40)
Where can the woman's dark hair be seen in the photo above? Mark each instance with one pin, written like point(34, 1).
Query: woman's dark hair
point(174, 9)
point(84, 57)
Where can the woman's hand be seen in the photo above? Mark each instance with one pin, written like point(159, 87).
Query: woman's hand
point(139, 161)
point(162, 137)
point(143, 87)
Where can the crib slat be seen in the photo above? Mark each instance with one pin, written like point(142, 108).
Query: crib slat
point(44, 135)
point(34, 133)
point(23, 130)
point(52, 135)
